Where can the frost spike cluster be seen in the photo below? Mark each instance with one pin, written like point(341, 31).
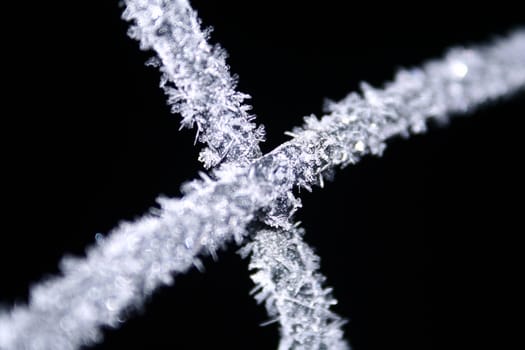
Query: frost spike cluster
point(196, 79)
point(138, 257)
point(292, 288)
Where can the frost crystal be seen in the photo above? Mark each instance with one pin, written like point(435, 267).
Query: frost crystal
point(67, 311)
point(289, 283)
point(196, 79)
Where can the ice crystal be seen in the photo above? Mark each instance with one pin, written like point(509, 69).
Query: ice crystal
point(289, 283)
point(196, 79)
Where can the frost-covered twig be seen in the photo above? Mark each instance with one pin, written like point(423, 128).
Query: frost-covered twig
point(289, 283)
point(196, 79)
point(138, 257)
point(203, 92)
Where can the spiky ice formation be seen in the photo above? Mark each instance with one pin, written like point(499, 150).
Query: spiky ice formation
point(289, 282)
point(196, 79)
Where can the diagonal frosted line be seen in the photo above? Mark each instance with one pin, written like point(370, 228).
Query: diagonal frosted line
point(67, 311)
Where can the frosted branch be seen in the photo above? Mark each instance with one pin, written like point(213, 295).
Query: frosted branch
point(136, 258)
point(289, 283)
point(196, 79)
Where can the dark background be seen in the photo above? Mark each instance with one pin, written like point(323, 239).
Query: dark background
point(421, 246)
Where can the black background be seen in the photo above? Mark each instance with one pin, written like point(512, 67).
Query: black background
point(421, 246)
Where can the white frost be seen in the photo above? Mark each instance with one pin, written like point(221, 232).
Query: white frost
point(68, 311)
